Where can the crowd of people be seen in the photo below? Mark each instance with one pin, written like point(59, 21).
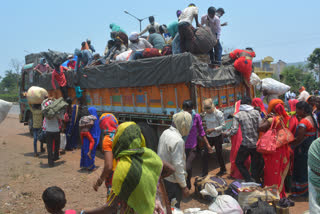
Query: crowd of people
point(133, 173)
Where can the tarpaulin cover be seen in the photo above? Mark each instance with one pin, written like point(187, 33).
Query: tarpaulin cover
point(172, 69)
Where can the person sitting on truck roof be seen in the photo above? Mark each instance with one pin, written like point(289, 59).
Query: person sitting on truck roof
point(72, 63)
point(91, 48)
point(120, 35)
point(116, 28)
point(185, 27)
point(153, 24)
point(84, 58)
point(43, 67)
point(155, 39)
point(138, 44)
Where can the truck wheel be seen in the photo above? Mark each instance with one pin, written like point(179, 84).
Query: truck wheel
point(150, 136)
point(30, 124)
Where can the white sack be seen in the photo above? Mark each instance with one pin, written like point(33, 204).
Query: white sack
point(63, 141)
point(273, 86)
point(254, 79)
point(4, 109)
point(225, 204)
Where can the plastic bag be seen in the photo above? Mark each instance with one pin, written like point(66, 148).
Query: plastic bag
point(36, 95)
point(225, 204)
point(63, 141)
point(4, 109)
point(254, 79)
point(272, 86)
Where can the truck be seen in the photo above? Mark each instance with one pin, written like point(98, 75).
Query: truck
point(146, 91)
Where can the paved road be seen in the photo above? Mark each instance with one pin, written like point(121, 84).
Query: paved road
point(15, 109)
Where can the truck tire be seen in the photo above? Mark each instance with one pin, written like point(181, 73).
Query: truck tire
point(150, 136)
point(30, 124)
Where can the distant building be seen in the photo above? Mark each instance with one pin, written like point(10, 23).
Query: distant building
point(264, 68)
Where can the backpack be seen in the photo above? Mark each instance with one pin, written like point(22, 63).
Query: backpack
point(54, 108)
point(233, 189)
point(260, 207)
point(219, 183)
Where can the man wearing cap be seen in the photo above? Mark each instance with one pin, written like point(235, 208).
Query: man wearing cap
point(215, 124)
point(138, 44)
point(153, 24)
point(171, 148)
point(71, 64)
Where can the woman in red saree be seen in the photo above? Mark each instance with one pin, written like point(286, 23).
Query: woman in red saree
point(277, 164)
point(235, 144)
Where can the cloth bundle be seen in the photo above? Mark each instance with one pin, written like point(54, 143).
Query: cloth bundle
point(36, 95)
point(272, 86)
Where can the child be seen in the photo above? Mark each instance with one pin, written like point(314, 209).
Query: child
point(55, 200)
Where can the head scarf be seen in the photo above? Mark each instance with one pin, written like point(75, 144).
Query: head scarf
point(178, 13)
point(302, 88)
point(279, 109)
point(42, 61)
point(116, 28)
point(257, 102)
point(138, 170)
point(85, 47)
point(134, 36)
point(313, 163)
point(183, 122)
point(95, 130)
point(273, 103)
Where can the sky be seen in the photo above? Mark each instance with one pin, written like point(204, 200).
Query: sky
point(287, 30)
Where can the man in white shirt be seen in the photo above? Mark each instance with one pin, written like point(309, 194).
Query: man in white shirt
point(171, 149)
point(186, 30)
point(215, 124)
point(138, 44)
point(52, 134)
point(304, 95)
point(213, 22)
point(152, 24)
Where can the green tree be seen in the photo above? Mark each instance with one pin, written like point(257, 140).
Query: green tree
point(297, 76)
point(10, 81)
point(314, 61)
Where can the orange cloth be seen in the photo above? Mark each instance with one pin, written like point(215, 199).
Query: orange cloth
point(309, 127)
point(90, 138)
point(85, 47)
point(273, 103)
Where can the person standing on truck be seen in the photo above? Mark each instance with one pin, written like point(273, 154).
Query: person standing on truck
point(37, 120)
point(171, 149)
point(215, 124)
point(191, 140)
point(186, 30)
point(153, 24)
point(213, 22)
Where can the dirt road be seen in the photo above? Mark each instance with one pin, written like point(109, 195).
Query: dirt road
point(23, 177)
